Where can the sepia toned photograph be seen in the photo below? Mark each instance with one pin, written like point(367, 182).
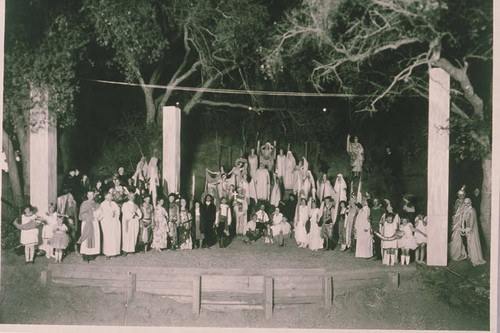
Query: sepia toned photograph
point(262, 164)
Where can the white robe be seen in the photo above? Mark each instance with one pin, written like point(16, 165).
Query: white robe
point(276, 195)
point(300, 225)
point(281, 166)
point(289, 167)
point(131, 214)
point(262, 184)
point(109, 214)
point(364, 239)
point(339, 194)
point(315, 241)
point(253, 162)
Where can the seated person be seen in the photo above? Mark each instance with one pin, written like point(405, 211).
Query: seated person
point(252, 234)
point(262, 219)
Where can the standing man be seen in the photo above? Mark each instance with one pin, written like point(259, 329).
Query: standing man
point(328, 211)
point(207, 214)
point(377, 211)
point(131, 214)
point(109, 215)
point(90, 239)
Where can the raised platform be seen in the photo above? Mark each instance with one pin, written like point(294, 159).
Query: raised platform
point(264, 288)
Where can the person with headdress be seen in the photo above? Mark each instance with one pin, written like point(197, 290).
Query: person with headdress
point(185, 226)
point(456, 248)
point(459, 202)
point(339, 194)
point(356, 152)
point(109, 216)
point(90, 239)
point(145, 224)
point(276, 191)
point(315, 241)
point(472, 233)
point(341, 212)
point(122, 176)
point(281, 165)
point(352, 210)
point(364, 238)
point(208, 211)
point(267, 155)
point(290, 164)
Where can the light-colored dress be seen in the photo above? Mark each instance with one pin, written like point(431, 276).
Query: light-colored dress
point(276, 194)
point(364, 239)
point(408, 241)
point(421, 239)
point(60, 240)
point(290, 164)
point(389, 230)
point(262, 183)
point(30, 236)
point(253, 162)
point(185, 240)
point(473, 242)
point(241, 218)
point(356, 153)
point(109, 215)
point(315, 241)
point(160, 228)
point(456, 248)
point(281, 166)
point(300, 229)
point(131, 214)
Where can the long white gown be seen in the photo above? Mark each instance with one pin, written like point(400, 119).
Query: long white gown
point(315, 240)
point(131, 214)
point(109, 214)
point(88, 214)
point(281, 166)
point(276, 195)
point(300, 229)
point(364, 239)
point(290, 164)
point(262, 184)
point(253, 162)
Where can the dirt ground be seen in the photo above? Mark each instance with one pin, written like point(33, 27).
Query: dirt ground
point(432, 298)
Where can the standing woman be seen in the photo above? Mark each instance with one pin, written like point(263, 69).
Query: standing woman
point(276, 192)
point(160, 226)
point(352, 210)
point(356, 151)
point(185, 222)
point(315, 240)
point(341, 221)
point(109, 215)
point(198, 225)
point(253, 162)
point(472, 233)
point(289, 168)
point(281, 165)
point(301, 217)
point(364, 239)
point(173, 220)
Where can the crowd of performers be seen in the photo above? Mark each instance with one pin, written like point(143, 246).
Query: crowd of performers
point(267, 197)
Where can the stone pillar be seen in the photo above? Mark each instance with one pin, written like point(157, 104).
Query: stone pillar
point(438, 168)
point(171, 148)
point(43, 152)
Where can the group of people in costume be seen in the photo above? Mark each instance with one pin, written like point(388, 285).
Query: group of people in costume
point(127, 213)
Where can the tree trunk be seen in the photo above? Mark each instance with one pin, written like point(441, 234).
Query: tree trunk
point(24, 145)
point(15, 181)
point(65, 146)
point(150, 105)
point(485, 218)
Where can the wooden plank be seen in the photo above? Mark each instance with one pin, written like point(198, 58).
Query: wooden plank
point(196, 295)
point(165, 285)
point(358, 275)
point(298, 300)
point(231, 298)
point(286, 281)
point(162, 277)
point(349, 284)
point(131, 287)
point(249, 284)
point(328, 291)
point(91, 282)
point(77, 274)
point(167, 291)
point(298, 293)
point(226, 307)
point(269, 296)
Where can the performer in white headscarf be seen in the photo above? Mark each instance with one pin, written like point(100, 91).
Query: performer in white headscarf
point(253, 162)
point(281, 165)
point(340, 192)
point(262, 183)
point(154, 177)
point(289, 168)
point(141, 171)
point(356, 151)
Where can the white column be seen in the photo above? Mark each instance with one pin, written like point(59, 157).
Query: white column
point(171, 148)
point(43, 152)
point(438, 168)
